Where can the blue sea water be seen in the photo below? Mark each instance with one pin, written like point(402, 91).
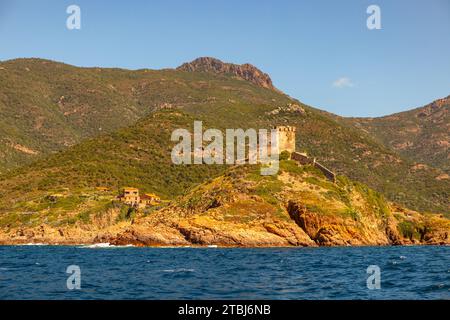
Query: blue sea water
point(39, 272)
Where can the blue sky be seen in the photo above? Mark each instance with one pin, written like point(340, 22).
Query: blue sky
point(320, 52)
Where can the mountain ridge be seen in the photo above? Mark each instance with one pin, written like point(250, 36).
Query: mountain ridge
point(127, 104)
point(46, 106)
point(245, 71)
point(422, 134)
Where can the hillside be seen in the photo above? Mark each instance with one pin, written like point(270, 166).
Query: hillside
point(422, 134)
point(246, 71)
point(47, 106)
point(297, 207)
point(139, 154)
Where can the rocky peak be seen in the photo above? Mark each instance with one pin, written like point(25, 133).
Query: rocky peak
point(441, 103)
point(437, 109)
point(245, 71)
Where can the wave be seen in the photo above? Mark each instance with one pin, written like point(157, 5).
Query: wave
point(179, 270)
point(104, 245)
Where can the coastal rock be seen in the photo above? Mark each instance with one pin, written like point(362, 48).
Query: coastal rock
point(245, 71)
point(289, 108)
point(298, 207)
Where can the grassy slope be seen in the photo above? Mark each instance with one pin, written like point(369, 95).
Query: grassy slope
point(46, 106)
point(139, 155)
point(422, 134)
point(345, 212)
point(299, 206)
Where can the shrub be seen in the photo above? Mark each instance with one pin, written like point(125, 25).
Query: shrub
point(285, 155)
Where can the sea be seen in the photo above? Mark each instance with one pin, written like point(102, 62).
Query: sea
point(108, 272)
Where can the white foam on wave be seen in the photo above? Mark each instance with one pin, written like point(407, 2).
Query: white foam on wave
point(179, 270)
point(104, 245)
point(34, 244)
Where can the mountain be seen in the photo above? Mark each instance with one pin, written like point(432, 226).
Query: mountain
point(246, 71)
point(47, 106)
point(422, 134)
point(137, 110)
point(297, 207)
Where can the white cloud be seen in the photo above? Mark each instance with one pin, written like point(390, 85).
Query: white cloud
point(343, 82)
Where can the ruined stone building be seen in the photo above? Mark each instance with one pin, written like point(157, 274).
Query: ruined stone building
point(286, 138)
point(286, 142)
point(304, 159)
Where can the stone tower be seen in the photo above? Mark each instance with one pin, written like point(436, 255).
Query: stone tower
point(286, 138)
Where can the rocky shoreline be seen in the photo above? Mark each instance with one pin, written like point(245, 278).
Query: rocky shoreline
point(196, 232)
point(298, 208)
point(140, 245)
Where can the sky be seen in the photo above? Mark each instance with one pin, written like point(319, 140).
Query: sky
point(320, 52)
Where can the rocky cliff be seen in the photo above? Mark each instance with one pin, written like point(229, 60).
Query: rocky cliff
point(245, 71)
point(298, 207)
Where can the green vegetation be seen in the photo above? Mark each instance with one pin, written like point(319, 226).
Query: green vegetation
point(267, 190)
point(126, 213)
point(353, 213)
point(54, 105)
point(375, 200)
point(285, 155)
point(410, 230)
point(420, 134)
point(292, 167)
